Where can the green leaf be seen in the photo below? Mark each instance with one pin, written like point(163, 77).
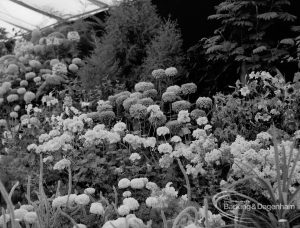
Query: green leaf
point(259, 49)
point(287, 17)
point(267, 16)
point(288, 41)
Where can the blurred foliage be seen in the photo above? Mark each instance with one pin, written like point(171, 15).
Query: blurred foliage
point(134, 33)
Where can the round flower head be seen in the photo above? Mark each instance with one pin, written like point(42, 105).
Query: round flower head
point(97, 209)
point(53, 62)
point(80, 226)
point(13, 115)
point(73, 36)
point(59, 201)
point(123, 210)
point(165, 148)
point(31, 217)
point(27, 207)
point(24, 83)
point(159, 73)
point(176, 139)
point(73, 67)
point(245, 91)
point(143, 86)
point(178, 106)
point(12, 97)
point(127, 194)
point(21, 91)
point(119, 127)
point(12, 69)
point(124, 183)
point(138, 111)
point(175, 89)
point(169, 97)
point(132, 203)
point(202, 121)
point(6, 86)
point(152, 202)
point(29, 96)
point(196, 113)
point(183, 116)
point(150, 93)
point(59, 69)
point(204, 102)
point(120, 99)
point(171, 71)
point(134, 156)
point(89, 191)
point(106, 117)
point(77, 61)
point(157, 119)
point(118, 223)
point(137, 183)
point(129, 102)
point(82, 199)
point(188, 88)
point(17, 108)
point(136, 95)
point(3, 123)
point(162, 131)
point(20, 214)
point(146, 101)
point(35, 64)
point(62, 164)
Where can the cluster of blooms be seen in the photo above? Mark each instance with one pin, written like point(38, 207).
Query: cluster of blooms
point(25, 213)
point(59, 69)
point(160, 198)
point(73, 36)
point(99, 135)
point(258, 158)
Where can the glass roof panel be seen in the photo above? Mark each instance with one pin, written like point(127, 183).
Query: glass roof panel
point(31, 14)
point(24, 16)
point(65, 8)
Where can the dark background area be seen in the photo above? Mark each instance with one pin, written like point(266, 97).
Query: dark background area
point(191, 16)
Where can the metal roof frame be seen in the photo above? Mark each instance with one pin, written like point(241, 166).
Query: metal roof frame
point(36, 9)
point(9, 19)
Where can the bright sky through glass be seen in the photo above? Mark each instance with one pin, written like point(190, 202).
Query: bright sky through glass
point(28, 19)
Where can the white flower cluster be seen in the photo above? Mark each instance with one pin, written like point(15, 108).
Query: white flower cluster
point(160, 198)
point(73, 36)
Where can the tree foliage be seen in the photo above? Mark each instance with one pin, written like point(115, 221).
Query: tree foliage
point(133, 34)
point(165, 50)
point(253, 35)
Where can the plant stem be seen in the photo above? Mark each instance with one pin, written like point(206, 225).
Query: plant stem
point(187, 181)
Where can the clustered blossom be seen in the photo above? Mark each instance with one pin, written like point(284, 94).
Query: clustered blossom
point(59, 69)
point(73, 36)
point(204, 102)
point(184, 116)
point(161, 131)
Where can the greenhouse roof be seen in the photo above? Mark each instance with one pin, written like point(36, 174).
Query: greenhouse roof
point(28, 15)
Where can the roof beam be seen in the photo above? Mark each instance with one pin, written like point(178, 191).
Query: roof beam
point(36, 9)
point(99, 3)
point(13, 24)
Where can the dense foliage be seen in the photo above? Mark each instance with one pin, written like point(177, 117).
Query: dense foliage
point(133, 34)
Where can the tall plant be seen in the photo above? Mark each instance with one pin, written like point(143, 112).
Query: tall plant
point(120, 52)
point(252, 35)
